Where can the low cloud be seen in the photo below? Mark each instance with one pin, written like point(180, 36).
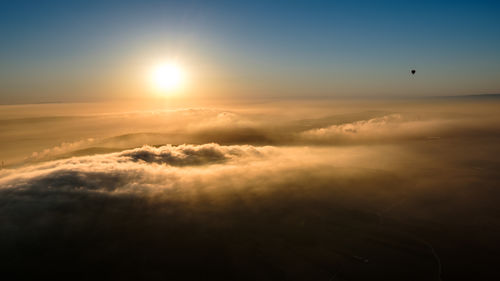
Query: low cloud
point(126, 168)
point(86, 135)
point(64, 147)
point(299, 196)
point(185, 155)
point(157, 212)
point(389, 128)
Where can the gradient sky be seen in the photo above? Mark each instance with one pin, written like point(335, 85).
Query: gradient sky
point(103, 50)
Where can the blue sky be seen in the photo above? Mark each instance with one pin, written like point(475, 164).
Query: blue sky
point(82, 50)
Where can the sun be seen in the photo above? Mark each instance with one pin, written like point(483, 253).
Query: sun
point(167, 77)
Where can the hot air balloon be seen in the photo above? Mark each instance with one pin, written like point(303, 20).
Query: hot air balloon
point(413, 71)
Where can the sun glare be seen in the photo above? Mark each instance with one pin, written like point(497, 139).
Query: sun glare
point(167, 77)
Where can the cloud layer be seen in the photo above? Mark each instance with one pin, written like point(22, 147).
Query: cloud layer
point(126, 168)
point(349, 196)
